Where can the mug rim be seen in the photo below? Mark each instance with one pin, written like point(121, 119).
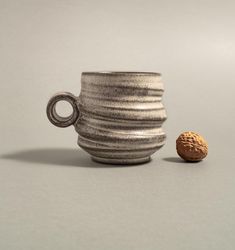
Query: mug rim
point(120, 73)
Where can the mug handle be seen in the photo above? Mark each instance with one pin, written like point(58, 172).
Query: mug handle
point(58, 120)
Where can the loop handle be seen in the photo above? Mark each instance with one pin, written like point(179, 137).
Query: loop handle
point(58, 120)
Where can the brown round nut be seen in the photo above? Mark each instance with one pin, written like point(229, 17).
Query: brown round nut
point(191, 146)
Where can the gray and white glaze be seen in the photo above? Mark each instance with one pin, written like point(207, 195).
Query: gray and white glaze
point(118, 115)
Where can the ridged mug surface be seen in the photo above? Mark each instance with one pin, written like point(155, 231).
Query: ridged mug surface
point(121, 116)
point(118, 115)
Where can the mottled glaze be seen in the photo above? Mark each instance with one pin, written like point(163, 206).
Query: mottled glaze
point(118, 115)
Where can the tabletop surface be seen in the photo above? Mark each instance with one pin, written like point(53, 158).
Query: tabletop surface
point(58, 197)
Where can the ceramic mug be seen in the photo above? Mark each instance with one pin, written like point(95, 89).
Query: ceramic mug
point(118, 115)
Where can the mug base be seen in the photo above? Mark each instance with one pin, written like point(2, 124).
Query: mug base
point(121, 161)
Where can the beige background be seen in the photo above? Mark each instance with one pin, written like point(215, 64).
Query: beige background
point(51, 195)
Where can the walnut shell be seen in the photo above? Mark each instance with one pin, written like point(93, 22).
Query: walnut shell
point(191, 146)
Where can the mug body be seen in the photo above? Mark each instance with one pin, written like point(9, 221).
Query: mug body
point(121, 116)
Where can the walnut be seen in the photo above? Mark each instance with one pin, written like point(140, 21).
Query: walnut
point(191, 146)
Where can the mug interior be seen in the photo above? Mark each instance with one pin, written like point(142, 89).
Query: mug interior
point(119, 73)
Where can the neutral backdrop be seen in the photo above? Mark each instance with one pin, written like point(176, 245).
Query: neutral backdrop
point(52, 196)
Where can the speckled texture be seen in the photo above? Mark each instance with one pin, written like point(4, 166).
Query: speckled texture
point(119, 115)
point(191, 146)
